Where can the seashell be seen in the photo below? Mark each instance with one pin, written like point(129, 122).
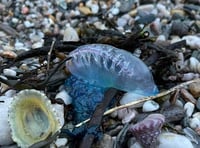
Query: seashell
point(194, 89)
point(147, 131)
point(189, 109)
point(5, 134)
point(32, 118)
point(106, 66)
point(170, 140)
point(150, 106)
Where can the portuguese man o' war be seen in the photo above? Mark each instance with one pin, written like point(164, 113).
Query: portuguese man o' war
point(107, 66)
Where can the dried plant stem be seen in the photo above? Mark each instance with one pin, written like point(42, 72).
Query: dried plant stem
point(131, 104)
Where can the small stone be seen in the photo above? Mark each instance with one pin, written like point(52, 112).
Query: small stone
point(9, 72)
point(130, 97)
point(38, 44)
point(28, 24)
point(194, 89)
point(187, 96)
point(59, 109)
point(64, 96)
point(70, 34)
point(198, 104)
point(61, 142)
point(189, 109)
point(106, 142)
point(114, 11)
point(194, 123)
point(85, 10)
point(192, 41)
point(150, 106)
point(170, 140)
point(25, 10)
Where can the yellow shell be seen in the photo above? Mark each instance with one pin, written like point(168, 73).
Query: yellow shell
point(32, 118)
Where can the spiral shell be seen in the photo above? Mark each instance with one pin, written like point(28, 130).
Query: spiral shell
point(106, 66)
point(32, 118)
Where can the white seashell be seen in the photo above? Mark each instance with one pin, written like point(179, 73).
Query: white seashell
point(130, 97)
point(194, 123)
point(5, 135)
point(171, 140)
point(189, 109)
point(150, 106)
point(9, 72)
point(32, 118)
point(70, 34)
point(64, 96)
point(192, 41)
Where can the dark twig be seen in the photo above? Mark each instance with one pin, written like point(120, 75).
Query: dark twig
point(95, 121)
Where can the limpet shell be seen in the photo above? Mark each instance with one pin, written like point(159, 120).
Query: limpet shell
point(32, 118)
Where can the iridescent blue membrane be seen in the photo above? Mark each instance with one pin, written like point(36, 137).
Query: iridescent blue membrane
point(106, 66)
point(85, 97)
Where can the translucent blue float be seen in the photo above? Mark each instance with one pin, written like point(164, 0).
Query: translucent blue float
point(106, 66)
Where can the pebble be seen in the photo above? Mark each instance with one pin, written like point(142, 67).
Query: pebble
point(114, 11)
point(187, 96)
point(130, 97)
point(4, 128)
point(85, 10)
point(9, 72)
point(189, 109)
point(194, 89)
point(106, 142)
point(194, 122)
point(198, 104)
point(126, 115)
point(38, 44)
point(70, 34)
point(192, 41)
point(171, 140)
point(60, 113)
point(150, 106)
point(61, 142)
point(28, 24)
point(64, 96)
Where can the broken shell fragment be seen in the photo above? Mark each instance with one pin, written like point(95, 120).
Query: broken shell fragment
point(147, 131)
point(32, 118)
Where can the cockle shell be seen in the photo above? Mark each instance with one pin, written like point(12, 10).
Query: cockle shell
point(106, 66)
point(32, 118)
